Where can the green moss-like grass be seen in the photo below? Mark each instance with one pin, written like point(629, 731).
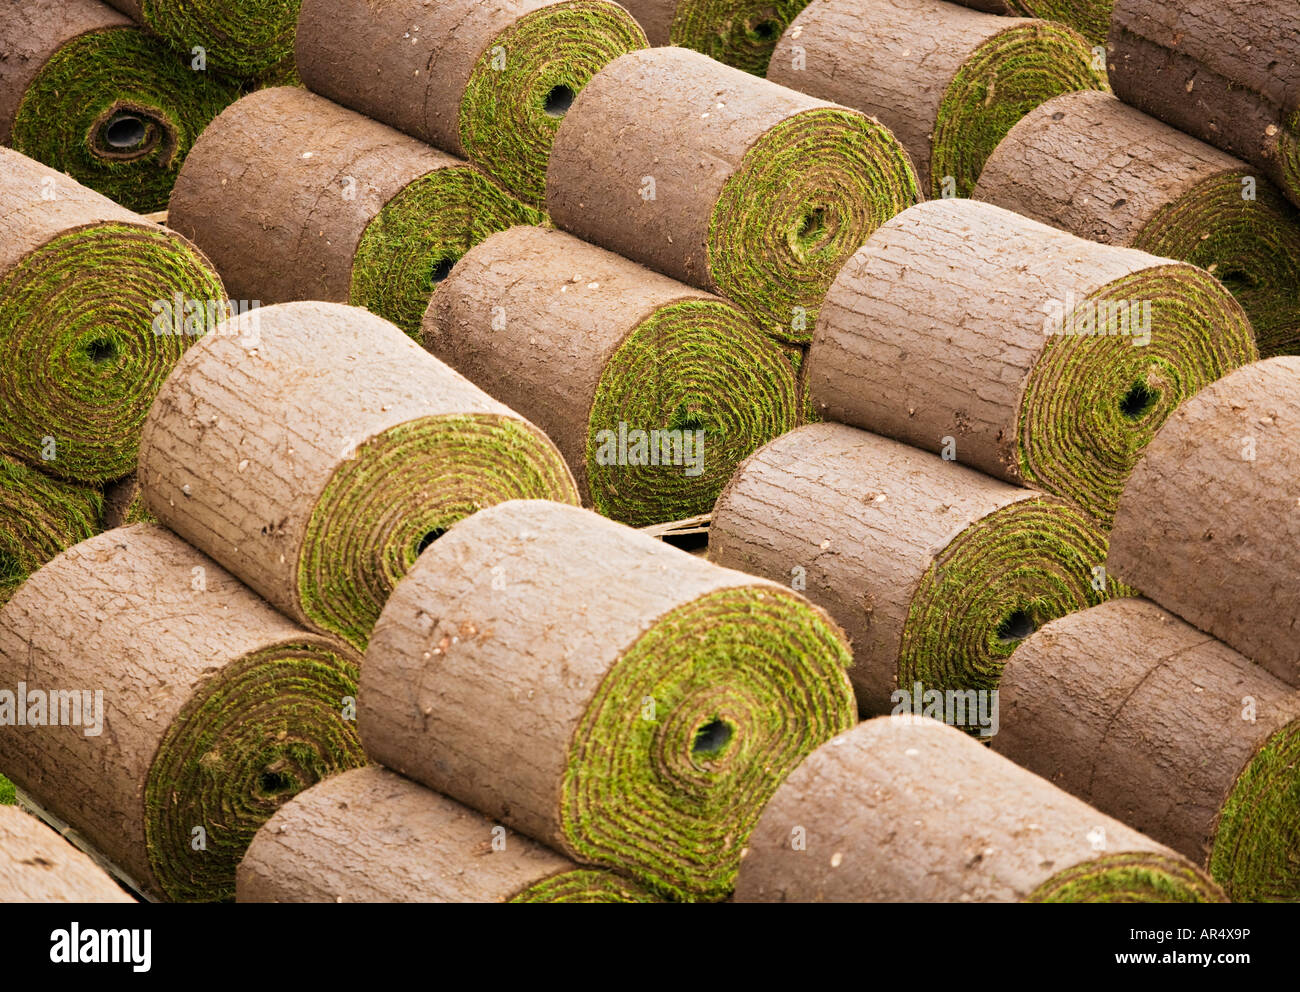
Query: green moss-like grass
point(739, 33)
point(1134, 877)
point(586, 886)
point(81, 360)
point(245, 39)
point(39, 517)
point(1002, 81)
point(411, 245)
point(92, 88)
point(1091, 18)
point(511, 111)
point(746, 682)
point(8, 796)
point(806, 196)
point(692, 365)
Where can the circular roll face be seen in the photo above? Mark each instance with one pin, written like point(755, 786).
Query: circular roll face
point(244, 39)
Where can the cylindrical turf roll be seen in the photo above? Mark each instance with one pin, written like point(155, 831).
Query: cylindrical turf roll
point(369, 835)
point(83, 283)
point(935, 572)
point(1016, 348)
point(949, 82)
point(1091, 18)
point(297, 198)
point(739, 33)
point(486, 81)
point(1209, 524)
point(1226, 71)
point(1090, 164)
point(37, 865)
point(245, 39)
point(620, 700)
point(1171, 731)
point(726, 182)
point(315, 450)
point(39, 517)
point(85, 91)
point(652, 390)
point(188, 709)
point(905, 809)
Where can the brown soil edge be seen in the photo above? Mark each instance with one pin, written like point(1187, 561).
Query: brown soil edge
point(37, 865)
point(655, 18)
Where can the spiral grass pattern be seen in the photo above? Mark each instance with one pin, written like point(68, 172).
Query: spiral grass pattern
point(245, 39)
point(82, 361)
point(39, 517)
point(1136, 877)
point(738, 33)
point(585, 885)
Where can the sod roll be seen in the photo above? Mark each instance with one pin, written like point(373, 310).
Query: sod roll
point(949, 82)
point(1090, 164)
point(489, 82)
point(626, 703)
point(315, 450)
point(1209, 525)
point(652, 390)
point(82, 284)
point(739, 33)
point(1171, 731)
point(934, 571)
point(39, 517)
point(1019, 349)
point(369, 835)
point(188, 709)
point(1091, 18)
point(85, 91)
point(909, 810)
point(1226, 71)
point(37, 865)
point(297, 198)
point(726, 182)
point(243, 39)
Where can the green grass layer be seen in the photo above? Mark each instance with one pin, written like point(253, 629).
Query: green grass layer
point(40, 517)
point(81, 362)
point(746, 682)
point(1135, 877)
point(1002, 81)
point(245, 39)
point(268, 726)
point(692, 365)
point(807, 196)
point(7, 795)
point(510, 113)
point(739, 33)
point(402, 490)
point(88, 84)
point(1256, 850)
point(586, 886)
point(1094, 401)
point(1289, 151)
point(411, 245)
point(1091, 18)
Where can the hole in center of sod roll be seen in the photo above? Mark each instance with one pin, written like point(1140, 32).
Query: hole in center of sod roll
point(423, 543)
point(1138, 401)
point(273, 783)
point(768, 30)
point(101, 350)
point(442, 268)
point(1016, 627)
point(124, 131)
point(686, 419)
point(711, 739)
point(558, 101)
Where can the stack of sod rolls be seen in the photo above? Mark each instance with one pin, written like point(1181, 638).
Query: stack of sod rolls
point(1091, 18)
point(489, 82)
point(909, 810)
point(85, 91)
point(297, 198)
point(188, 710)
point(729, 183)
point(652, 390)
point(934, 571)
point(623, 702)
point(739, 33)
point(1171, 731)
point(370, 835)
point(1209, 524)
point(1226, 71)
point(37, 865)
point(315, 450)
point(1021, 350)
point(1088, 163)
point(948, 81)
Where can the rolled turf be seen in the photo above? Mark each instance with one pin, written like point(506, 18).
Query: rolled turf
point(593, 348)
point(1091, 18)
point(244, 39)
point(949, 82)
point(908, 810)
point(81, 284)
point(1169, 730)
point(738, 33)
point(215, 709)
point(489, 82)
point(1225, 71)
point(39, 517)
point(37, 865)
point(371, 836)
point(1089, 164)
point(362, 214)
point(659, 699)
point(726, 182)
point(315, 450)
point(1209, 524)
point(1021, 350)
point(85, 91)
